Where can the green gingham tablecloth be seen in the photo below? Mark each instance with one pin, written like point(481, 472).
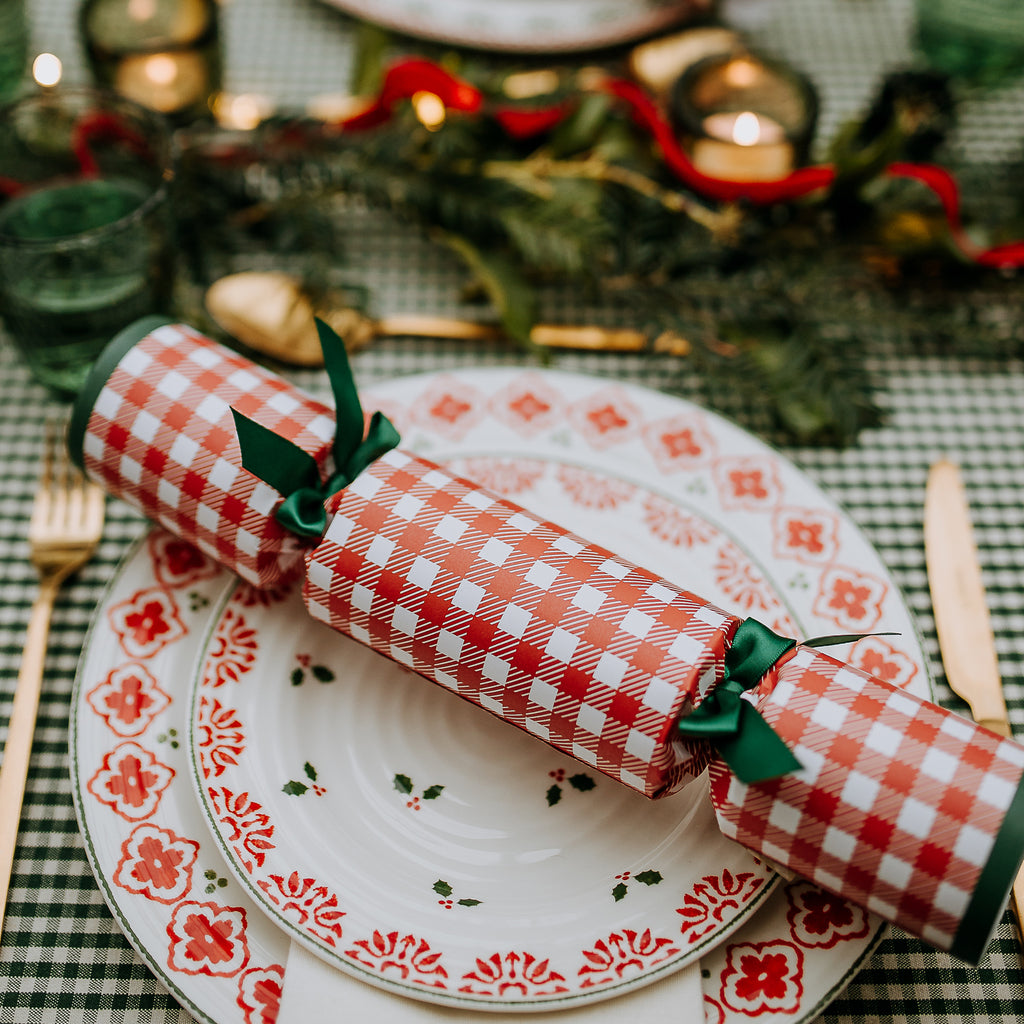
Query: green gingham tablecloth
point(62, 956)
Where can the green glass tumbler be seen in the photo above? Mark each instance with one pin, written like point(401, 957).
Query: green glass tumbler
point(86, 231)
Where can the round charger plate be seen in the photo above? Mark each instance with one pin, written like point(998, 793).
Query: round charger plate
point(680, 489)
point(532, 26)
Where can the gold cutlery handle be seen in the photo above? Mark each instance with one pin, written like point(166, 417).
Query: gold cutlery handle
point(18, 748)
point(584, 337)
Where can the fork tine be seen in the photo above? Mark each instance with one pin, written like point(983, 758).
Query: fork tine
point(70, 481)
point(49, 446)
point(42, 506)
point(95, 506)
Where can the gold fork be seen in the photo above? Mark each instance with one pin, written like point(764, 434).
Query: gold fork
point(66, 524)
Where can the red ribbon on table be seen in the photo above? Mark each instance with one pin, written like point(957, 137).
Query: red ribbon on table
point(406, 78)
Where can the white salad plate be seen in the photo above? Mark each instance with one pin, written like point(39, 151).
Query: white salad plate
point(434, 838)
point(368, 811)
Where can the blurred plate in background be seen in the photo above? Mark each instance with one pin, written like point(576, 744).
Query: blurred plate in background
point(538, 26)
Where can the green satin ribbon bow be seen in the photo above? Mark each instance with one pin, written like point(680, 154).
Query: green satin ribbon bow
point(293, 472)
point(746, 742)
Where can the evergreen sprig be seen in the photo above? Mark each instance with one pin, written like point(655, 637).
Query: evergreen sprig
point(780, 306)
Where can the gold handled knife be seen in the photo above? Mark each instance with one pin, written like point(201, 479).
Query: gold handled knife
point(961, 613)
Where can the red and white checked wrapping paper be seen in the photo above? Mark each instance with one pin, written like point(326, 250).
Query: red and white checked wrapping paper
point(900, 806)
point(160, 435)
point(552, 633)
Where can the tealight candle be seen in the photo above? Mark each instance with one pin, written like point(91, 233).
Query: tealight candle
point(743, 118)
point(167, 82)
point(164, 54)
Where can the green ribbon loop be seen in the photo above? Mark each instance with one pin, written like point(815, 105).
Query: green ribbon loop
point(293, 472)
point(739, 732)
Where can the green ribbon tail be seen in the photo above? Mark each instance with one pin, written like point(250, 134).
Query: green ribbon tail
point(756, 752)
point(841, 638)
point(380, 438)
point(293, 472)
point(348, 410)
point(274, 459)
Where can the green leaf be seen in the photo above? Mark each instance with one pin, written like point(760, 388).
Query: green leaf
point(310, 771)
point(554, 795)
point(508, 290)
point(371, 50)
point(297, 676)
point(580, 130)
point(582, 782)
point(322, 674)
point(442, 888)
point(619, 892)
point(648, 877)
point(432, 793)
point(468, 903)
point(403, 783)
point(294, 788)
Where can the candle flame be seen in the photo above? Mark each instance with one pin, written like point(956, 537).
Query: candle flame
point(429, 109)
point(747, 129)
point(47, 69)
point(161, 69)
point(244, 110)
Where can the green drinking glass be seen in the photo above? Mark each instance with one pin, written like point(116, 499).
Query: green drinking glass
point(86, 227)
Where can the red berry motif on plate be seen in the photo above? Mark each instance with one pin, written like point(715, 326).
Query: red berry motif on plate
point(403, 784)
point(321, 673)
point(448, 900)
point(296, 788)
point(648, 877)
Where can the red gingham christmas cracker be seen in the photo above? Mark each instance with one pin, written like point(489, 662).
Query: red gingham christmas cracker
point(161, 436)
point(898, 804)
point(556, 635)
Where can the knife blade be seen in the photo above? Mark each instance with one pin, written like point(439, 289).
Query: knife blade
point(958, 599)
point(961, 613)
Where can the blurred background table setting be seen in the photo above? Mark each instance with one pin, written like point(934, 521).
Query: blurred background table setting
point(713, 283)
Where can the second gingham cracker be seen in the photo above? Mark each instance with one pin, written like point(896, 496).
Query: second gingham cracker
point(160, 435)
point(898, 807)
point(556, 635)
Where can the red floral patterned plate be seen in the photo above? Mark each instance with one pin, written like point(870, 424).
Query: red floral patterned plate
point(680, 487)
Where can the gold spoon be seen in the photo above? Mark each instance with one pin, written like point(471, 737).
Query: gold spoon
point(269, 312)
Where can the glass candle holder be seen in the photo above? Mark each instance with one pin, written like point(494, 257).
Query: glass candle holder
point(164, 54)
point(744, 118)
point(86, 230)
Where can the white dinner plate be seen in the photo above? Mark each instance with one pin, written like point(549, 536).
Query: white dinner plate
point(530, 26)
point(659, 480)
